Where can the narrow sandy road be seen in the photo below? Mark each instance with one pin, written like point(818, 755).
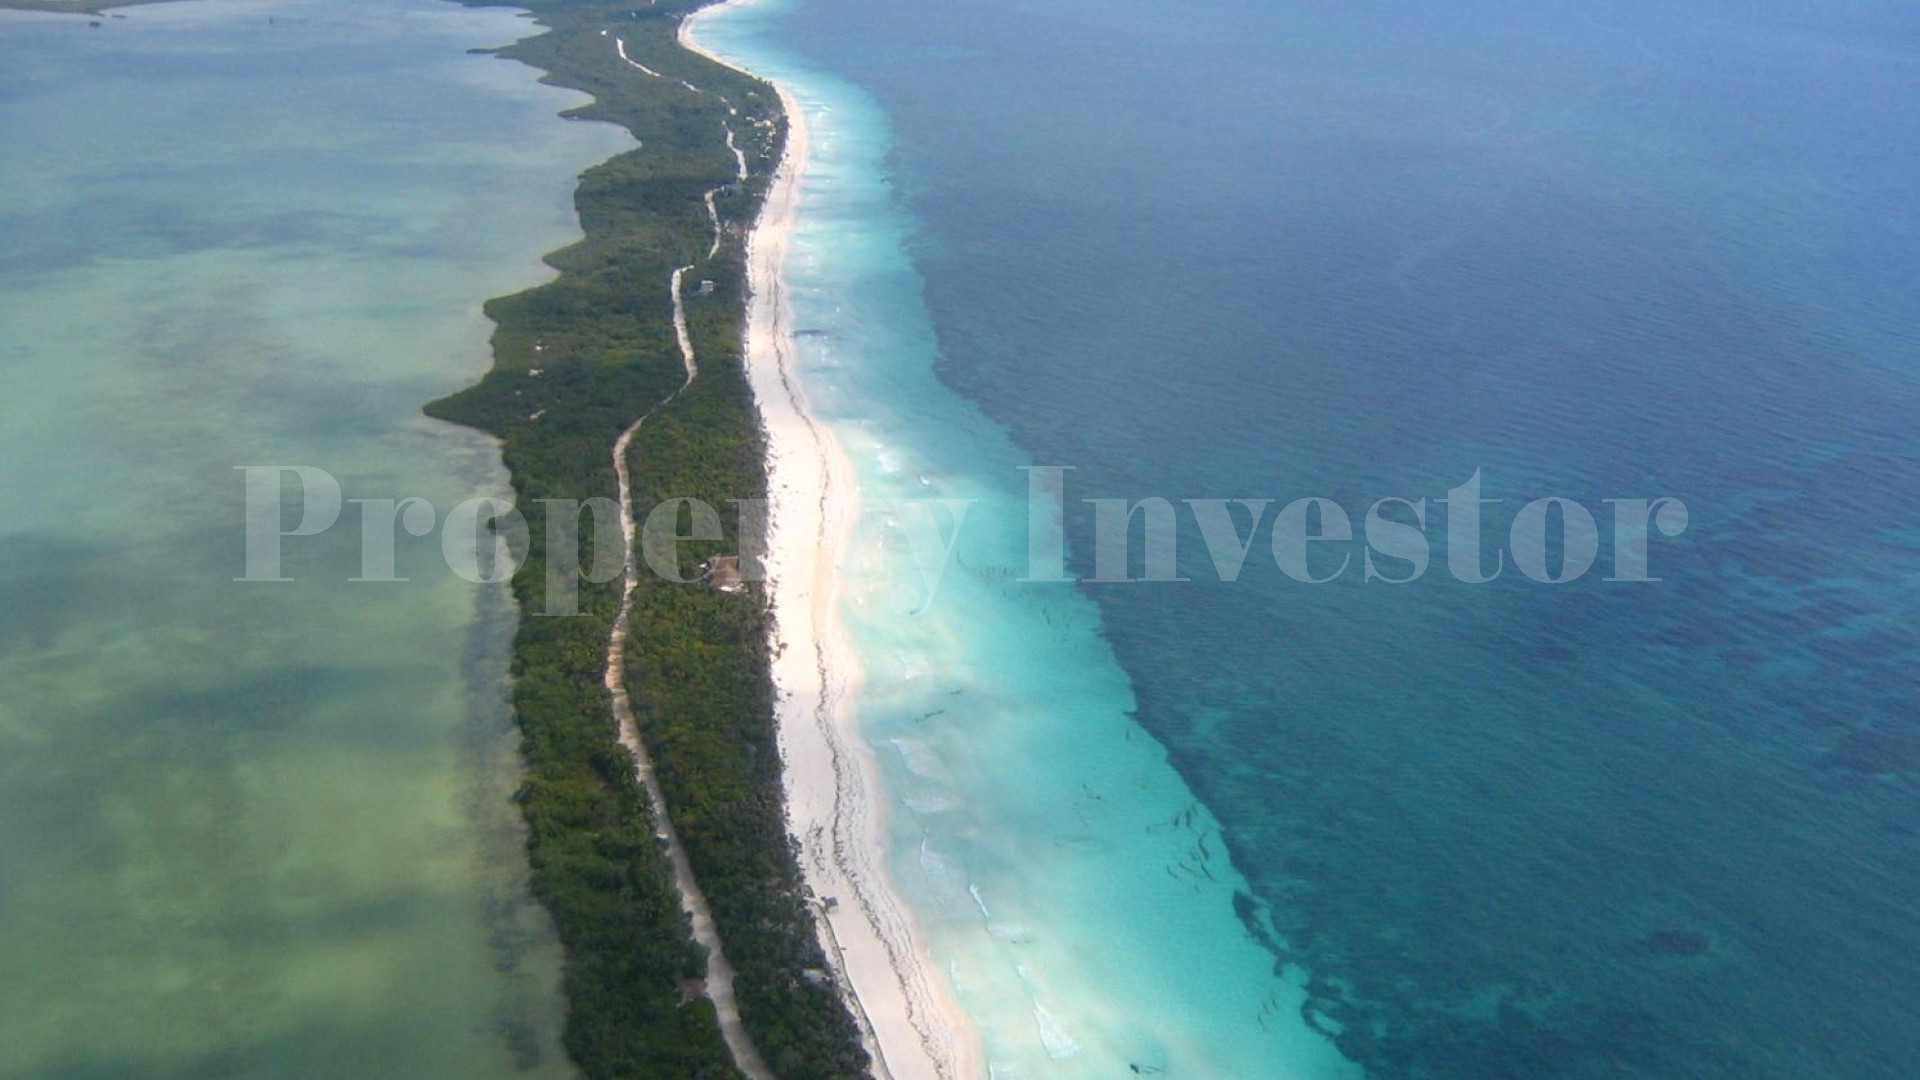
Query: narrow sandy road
point(746, 1057)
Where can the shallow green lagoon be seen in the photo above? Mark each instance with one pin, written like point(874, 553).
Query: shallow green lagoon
point(260, 830)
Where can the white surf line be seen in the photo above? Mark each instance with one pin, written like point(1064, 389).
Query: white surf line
point(914, 1031)
point(910, 1032)
point(620, 46)
point(746, 1057)
point(913, 1028)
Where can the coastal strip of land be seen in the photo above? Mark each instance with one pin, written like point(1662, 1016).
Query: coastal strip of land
point(914, 1028)
point(719, 972)
point(655, 729)
point(671, 795)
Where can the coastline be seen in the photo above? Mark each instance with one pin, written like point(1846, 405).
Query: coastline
point(1065, 876)
point(912, 1025)
point(674, 729)
point(621, 346)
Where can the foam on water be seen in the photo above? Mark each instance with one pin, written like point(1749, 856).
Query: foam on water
point(1018, 784)
point(1596, 249)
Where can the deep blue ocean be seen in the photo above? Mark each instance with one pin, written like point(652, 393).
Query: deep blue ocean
point(1590, 249)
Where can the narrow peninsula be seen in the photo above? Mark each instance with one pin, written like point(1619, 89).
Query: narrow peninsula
point(653, 791)
point(653, 782)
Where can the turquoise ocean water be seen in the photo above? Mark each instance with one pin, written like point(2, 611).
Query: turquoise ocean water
point(1598, 249)
point(260, 830)
point(1069, 885)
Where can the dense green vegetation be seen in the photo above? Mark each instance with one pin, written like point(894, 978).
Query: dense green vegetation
point(575, 362)
point(702, 694)
point(601, 338)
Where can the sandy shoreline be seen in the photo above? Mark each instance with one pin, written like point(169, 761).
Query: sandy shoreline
point(914, 1028)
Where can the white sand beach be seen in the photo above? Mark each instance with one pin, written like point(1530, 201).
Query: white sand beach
point(914, 1027)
